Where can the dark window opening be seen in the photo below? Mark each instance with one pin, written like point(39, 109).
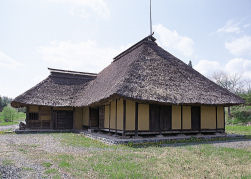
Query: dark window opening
point(33, 116)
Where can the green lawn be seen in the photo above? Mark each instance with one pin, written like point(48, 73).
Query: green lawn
point(238, 129)
point(93, 159)
point(104, 161)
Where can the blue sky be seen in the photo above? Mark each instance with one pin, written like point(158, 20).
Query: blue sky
point(84, 35)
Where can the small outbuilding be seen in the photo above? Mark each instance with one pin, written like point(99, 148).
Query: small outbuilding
point(145, 90)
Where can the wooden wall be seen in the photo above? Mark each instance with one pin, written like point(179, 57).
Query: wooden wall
point(176, 117)
point(220, 117)
point(211, 117)
point(143, 117)
point(107, 115)
point(113, 115)
point(86, 115)
point(130, 115)
point(78, 118)
point(208, 117)
point(186, 117)
point(120, 114)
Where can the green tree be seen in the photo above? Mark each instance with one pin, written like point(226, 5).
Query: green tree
point(9, 114)
point(1, 102)
point(190, 63)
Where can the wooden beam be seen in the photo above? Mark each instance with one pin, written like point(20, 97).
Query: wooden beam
point(224, 117)
point(27, 116)
point(73, 121)
point(110, 117)
point(181, 118)
point(124, 116)
point(216, 117)
point(160, 128)
point(41, 125)
point(52, 119)
point(116, 116)
point(89, 118)
point(136, 118)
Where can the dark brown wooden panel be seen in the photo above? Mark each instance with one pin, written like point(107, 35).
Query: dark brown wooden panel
point(64, 119)
point(94, 117)
point(165, 117)
point(154, 117)
point(101, 116)
point(195, 117)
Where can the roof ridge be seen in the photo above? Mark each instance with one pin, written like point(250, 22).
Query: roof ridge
point(149, 38)
point(71, 72)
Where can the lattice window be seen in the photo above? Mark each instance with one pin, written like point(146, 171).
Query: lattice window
point(33, 116)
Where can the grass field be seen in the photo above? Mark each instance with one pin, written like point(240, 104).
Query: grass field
point(20, 117)
point(238, 129)
point(75, 156)
point(103, 161)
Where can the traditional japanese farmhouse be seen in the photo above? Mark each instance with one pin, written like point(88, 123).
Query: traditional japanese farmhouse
point(145, 90)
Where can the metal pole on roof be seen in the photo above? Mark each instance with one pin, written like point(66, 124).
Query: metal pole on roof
point(151, 17)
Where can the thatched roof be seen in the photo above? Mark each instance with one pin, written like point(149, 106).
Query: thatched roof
point(58, 89)
point(144, 72)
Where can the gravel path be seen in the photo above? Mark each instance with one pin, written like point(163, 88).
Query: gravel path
point(245, 144)
point(10, 127)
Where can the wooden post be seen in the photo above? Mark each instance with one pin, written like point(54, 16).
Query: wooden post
point(216, 118)
point(124, 117)
point(224, 117)
point(136, 118)
point(110, 117)
point(82, 124)
point(52, 120)
point(27, 116)
point(116, 117)
point(160, 128)
point(41, 124)
point(73, 121)
point(181, 118)
point(89, 117)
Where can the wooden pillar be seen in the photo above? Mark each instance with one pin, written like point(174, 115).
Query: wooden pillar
point(181, 118)
point(73, 121)
point(89, 117)
point(82, 124)
point(200, 120)
point(160, 128)
point(216, 117)
point(136, 118)
point(124, 117)
point(224, 118)
point(27, 116)
point(109, 117)
point(52, 119)
point(116, 117)
point(41, 124)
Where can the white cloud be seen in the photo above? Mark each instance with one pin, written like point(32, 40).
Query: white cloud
point(84, 56)
point(7, 62)
point(230, 27)
point(240, 66)
point(234, 66)
point(85, 8)
point(174, 41)
point(206, 67)
point(239, 46)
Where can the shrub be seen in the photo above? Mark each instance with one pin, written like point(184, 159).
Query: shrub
point(9, 114)
point(240, 115)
